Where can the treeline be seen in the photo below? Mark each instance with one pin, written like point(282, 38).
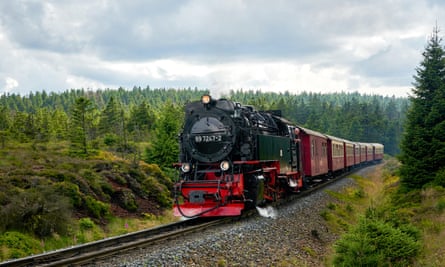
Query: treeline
point(120, 119)
point(117, 120)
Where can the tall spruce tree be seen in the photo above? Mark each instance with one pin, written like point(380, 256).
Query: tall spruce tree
point(423, 143)
point(80, 123)
point(165, 150)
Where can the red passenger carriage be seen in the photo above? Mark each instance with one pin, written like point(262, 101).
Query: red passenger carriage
point(336, 154)
point(362, 152)
point(378, 151)
point(356, 154)
point(349, 154)
point(369, 152)
point(314, 153)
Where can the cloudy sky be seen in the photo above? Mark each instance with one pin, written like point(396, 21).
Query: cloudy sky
point(369, 46)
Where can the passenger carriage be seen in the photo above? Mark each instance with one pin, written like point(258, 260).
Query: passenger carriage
point(357, 154)
point(378, 152)
point(369, 153)
point(349, 154)
point(336, 154)
point(314, 153)
point(362, 147)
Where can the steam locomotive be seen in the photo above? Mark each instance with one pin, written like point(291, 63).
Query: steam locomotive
point(233, 157)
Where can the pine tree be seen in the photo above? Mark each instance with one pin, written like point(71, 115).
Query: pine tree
point(423, 143)
point(4, 125)
point(165, 149)
point(110, 118)
point(141, 119)
point(80, 124)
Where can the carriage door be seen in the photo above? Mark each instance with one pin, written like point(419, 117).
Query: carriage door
point(295, 148)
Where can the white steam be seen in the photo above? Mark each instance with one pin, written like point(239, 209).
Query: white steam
point(268, 212)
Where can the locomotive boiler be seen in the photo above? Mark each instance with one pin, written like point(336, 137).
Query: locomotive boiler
point(233, 157)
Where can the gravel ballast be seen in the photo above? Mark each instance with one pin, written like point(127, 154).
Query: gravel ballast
point(296, 236)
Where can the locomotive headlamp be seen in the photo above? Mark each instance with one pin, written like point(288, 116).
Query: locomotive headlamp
point(225, 165)
point(185, 167)
point(205, 99)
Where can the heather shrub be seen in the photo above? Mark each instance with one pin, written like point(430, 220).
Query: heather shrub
point(126, 199)
point(96, 208)
point(39, 210)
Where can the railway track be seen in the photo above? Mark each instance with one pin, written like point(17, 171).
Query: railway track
point(98, 250)
point(104, 248)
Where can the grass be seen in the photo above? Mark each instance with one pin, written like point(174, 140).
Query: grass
point(375, 192)
point(430, 218)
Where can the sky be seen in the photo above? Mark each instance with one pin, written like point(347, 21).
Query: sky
point(367, 46)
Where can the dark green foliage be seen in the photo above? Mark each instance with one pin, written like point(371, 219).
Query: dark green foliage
point(423, 144)
point(439, 178)
point(80, 126)
point(374, 242)
point(96, 208)
point(126, 199)
point(41, 211)
point(111, 139)
point(5, 125)
point(440, 206)
point(141, 121)
point(164, 150)
point(71, 191)
point(156, 192)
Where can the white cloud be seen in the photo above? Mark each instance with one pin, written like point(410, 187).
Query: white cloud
point(10, 84)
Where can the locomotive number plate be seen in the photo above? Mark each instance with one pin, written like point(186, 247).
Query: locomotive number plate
point(207, 138)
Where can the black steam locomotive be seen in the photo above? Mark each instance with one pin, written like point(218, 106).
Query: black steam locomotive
point(231, 156)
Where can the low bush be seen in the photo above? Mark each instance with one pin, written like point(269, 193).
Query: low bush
point(157, 192)
point(126, 199)
point(86, 223)
point(71, 191)
point(96, 208)
point(41, 211)
point(374, 242)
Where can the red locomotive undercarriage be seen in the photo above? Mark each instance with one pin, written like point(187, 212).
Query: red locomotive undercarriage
point(225, 194)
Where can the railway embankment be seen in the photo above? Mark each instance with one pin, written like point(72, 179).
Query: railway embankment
point(313, 230)
point(301, 233)
point(50, 199)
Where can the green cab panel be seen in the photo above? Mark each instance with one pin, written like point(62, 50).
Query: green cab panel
point(275, 148)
